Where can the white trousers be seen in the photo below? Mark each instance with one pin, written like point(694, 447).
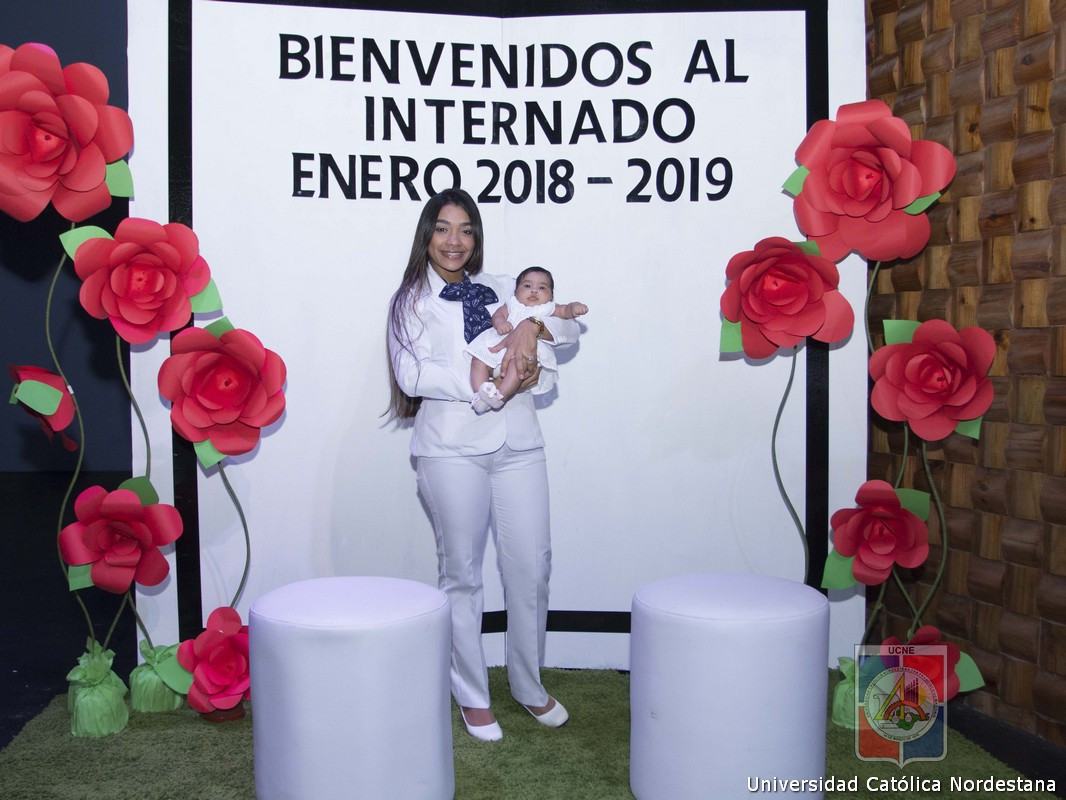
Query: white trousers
point(462, 493)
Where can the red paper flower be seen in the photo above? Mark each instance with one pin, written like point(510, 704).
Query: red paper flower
point(781, 295)
point(222, 389)
point(936, 380)
point(143, 278)
point(120, 537)
point(57, 420)
point(947, 684)
point(864, 170)
point(57, 135)
point(218, 661)
point(879, 533)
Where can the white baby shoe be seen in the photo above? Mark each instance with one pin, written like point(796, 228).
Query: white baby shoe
point(488, 398)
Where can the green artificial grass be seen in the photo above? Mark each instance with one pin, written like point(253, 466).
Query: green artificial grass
point(180, 756)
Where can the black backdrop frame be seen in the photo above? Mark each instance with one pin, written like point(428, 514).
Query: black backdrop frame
point(816, 495)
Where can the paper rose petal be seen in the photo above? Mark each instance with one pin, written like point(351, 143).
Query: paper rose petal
point(52, 421)
point(864, 174)
point(143, 278)
point(218, 660)
point(946, 683)
point(57, 134)
point(780, 294)
point(936, 380)
point(223, 390)
point(120, 538)
point(879, 534)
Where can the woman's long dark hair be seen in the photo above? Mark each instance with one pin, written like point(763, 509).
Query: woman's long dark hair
point(414, 284)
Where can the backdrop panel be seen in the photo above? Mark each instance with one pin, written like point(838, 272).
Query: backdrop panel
point(631, 154)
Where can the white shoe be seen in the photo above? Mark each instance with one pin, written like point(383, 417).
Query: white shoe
point(491, 395)
point(486, 733)
point(479, 405)
point(554, 717)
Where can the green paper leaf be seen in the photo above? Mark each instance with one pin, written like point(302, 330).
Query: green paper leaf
point(970, 427)
point(174, 675)
point(73, 238)
point(219, 327)
point(794, 184)
point(916, 501)
point(80, 577)
point(41, 397)
point(143, 488)
point(900, 331)
point(208, 300)
point(119, 179)
point(809, 247)
point(206, 452)
point(922, 203)
point(730, 340)
point(969, 675)
point(837, 573)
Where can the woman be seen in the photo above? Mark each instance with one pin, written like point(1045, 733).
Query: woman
point(471, 467)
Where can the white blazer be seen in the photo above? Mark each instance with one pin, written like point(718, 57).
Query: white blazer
point(438, 372)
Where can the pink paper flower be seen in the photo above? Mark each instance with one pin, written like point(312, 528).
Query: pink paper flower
point(120, 537)
point(57, 135)
point(143, 278)
point(222, 389)
point(935, 381)
point(864, 170)
point(946, 683)
point(879, 533)
point(781, 295)
point(218, 661)
point(63, 415)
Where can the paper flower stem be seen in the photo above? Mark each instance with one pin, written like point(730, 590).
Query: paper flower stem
point(125, 600)
point(247, 538)
point(939, 506)
point(81, 434)
point(866, 309)
point(140, 623)
point(903, 459)
point(136, 408)
point(878, 605)
point(905, 593)
point(777, 471)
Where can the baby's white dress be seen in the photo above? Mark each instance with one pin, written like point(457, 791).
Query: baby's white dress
point(516, 312)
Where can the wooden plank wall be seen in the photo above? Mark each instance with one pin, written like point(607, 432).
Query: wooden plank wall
point(987, 79)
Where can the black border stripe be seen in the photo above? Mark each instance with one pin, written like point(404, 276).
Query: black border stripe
point(566, 621)
point(190, 611)
point(816, 522)
point(179, 143)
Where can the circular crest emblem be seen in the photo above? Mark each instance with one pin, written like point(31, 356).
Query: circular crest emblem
point(901, 703)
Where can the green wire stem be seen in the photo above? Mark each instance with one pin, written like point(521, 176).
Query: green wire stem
point(777, 471)
point(247, 538)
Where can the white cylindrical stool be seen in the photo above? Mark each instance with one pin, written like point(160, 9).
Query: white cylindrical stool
point(350, 693)
point(728, 683)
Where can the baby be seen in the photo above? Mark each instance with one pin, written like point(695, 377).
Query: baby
point(534, 290)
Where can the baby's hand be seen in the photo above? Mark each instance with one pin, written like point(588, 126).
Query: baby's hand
point(578, 309)
point(499, 320)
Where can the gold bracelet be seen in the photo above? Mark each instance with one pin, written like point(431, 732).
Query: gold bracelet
point(540, 325)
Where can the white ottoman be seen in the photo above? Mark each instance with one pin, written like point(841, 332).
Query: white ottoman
point(350, 691)
point(728, 682)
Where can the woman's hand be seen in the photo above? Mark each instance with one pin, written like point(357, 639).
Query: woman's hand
point(520, 345)
point(529, 382)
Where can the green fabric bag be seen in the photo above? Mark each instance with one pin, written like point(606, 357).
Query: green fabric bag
point(149, 693)
point(96, 699)
point(843, 706)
